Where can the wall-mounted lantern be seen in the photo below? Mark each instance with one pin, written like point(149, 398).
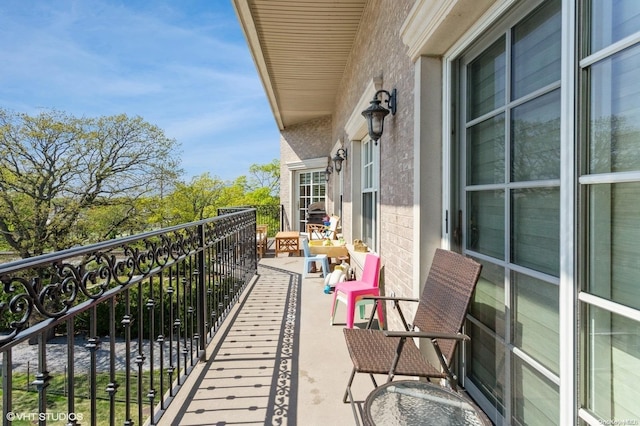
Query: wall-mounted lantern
point(376, 113)
point(341, 155)
point(327, 172)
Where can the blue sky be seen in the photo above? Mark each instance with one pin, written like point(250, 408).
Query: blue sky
point(182, 65)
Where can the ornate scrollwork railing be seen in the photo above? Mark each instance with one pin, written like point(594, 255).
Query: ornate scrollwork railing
point(165, 292)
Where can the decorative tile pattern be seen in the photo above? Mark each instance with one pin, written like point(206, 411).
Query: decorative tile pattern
point(252, 376)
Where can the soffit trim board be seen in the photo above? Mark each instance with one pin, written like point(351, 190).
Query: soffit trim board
point(433, 26)
point(243, 11)
point(309, 163)
point(300, 49)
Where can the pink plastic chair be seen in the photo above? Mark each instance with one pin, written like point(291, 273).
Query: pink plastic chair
point(351, 292)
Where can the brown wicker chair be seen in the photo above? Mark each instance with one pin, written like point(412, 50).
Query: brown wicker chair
point(439, 317)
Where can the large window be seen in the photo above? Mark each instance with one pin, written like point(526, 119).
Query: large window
point(370, 194)
point(547, 181)
point(510, 199)
point(610, 190)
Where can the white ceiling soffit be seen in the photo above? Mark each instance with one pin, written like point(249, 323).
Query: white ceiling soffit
point(301, 48)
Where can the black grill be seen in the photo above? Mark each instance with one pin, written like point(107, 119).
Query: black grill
point(315, 213)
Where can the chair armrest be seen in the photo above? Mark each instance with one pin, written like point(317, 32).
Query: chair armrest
point(395, 298)
point(396, 304)
point(427, 335)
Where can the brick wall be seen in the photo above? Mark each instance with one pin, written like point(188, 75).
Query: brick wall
point(311, 139)
point(380, 52)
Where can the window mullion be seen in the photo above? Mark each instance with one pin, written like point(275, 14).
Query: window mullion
point(567, 291)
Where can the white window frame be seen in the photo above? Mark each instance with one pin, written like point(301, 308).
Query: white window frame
point(294, 168)
point(567, 292)
point(374, 188)
point(588, 179)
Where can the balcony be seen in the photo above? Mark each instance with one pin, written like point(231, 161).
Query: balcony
point(183, 325)
point(278, 361)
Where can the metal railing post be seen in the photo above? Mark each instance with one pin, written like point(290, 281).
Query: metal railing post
point(7, 386)
point(201, 293)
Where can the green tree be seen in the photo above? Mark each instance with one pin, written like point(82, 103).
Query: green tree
point(124, 216)
point(198, 199)
point(235, 192)
point(265, 176)
point(56, 168)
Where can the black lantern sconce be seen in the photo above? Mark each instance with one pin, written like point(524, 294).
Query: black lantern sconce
point(341, 155)
point(376, 113)
point(327, 172)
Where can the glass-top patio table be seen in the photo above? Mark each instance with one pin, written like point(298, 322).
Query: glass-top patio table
point(414, 402)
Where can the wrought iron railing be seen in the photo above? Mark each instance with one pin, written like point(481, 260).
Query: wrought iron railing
point(113, 329)
point(272, 215)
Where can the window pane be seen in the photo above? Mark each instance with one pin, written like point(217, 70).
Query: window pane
point(613, 365)
point(536, 50)
point(486, 81)
point(536, 400)
point(535, 222)
point(368, 165)
point(368, 218)
point(488, 299)
point(485, 152)
point(615, 113)
point(614, 233)
point(369, 194)
point(317, 191)
point(535, 144)
point(536, 320)
point(485, 365)
point(485, 228)
point(613, 20)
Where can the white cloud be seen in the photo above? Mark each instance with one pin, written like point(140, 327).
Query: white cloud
point(186, 70)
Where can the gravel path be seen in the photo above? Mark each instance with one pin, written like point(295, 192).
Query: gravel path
point(25, 356)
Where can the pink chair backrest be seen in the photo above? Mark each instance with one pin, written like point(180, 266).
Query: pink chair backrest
point(371, 270)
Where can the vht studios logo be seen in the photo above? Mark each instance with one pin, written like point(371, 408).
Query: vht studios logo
point(52, 417)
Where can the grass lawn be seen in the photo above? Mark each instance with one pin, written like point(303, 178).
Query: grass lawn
point(25, 402)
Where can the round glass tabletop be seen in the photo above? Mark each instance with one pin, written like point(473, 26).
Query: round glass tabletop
point(413, 402)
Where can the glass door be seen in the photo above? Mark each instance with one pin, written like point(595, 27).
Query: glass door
point(510, 208)
point(610, 192)
point(311, 188)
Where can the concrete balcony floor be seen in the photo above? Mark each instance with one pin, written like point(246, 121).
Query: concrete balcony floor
point(276, 360)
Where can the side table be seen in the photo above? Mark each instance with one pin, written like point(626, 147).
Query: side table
point(414, 402)
point(287, 242)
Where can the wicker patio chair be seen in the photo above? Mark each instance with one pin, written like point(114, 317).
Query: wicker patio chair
point(439, 317)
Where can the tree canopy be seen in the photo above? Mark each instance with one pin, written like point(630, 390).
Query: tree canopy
point(265, 177)
point(68, 181)
point(54, 168)
point(196, 200)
